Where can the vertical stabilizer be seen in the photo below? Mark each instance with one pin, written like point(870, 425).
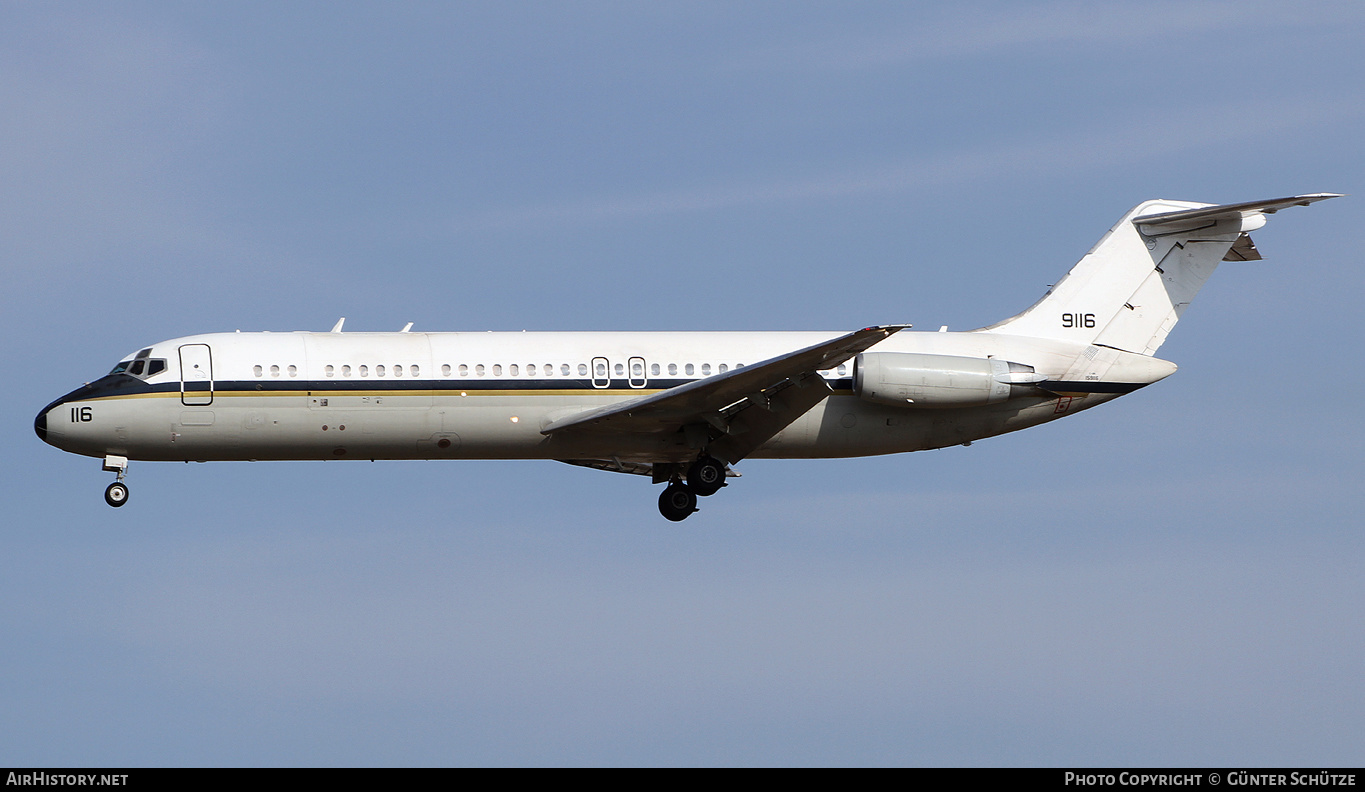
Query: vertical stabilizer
point(1132, 287)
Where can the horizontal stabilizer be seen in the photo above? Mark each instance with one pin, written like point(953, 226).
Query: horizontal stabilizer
point(1229, 211)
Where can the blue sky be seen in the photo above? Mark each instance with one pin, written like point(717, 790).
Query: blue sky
point(1174, 578)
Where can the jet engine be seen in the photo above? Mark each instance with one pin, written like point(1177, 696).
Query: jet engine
point(905, 379)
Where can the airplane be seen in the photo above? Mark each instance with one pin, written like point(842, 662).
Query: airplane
point(679, 408)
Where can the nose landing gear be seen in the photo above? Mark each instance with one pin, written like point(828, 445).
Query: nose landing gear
point(116, 494)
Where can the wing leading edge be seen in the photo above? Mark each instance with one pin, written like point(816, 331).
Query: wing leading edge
point(735, 412)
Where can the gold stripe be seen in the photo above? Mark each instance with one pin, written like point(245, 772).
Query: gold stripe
point(335, 394)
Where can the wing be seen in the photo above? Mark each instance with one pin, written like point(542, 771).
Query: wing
point(735, 412)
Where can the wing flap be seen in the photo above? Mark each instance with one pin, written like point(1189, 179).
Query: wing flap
point(750, 426)
point(658, 472)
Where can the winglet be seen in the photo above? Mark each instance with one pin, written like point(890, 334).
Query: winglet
point(336, 328)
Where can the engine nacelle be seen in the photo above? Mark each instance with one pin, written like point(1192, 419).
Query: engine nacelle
point(907, 379)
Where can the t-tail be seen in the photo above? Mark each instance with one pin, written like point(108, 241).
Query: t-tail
point(1132, 287)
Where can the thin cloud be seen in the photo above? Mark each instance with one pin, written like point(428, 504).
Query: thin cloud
point(989, 30)
point(1133, 140)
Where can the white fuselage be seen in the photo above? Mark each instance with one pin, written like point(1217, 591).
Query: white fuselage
point(304, 395)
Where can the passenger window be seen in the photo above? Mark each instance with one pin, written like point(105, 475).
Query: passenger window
point(479, 369)
point(672, 369)
point(364, 371)
point(464, 369)
point(330, 371)
point(398, 370)
point(843, 369)
point(723, 368)
point(274, 371)
point(414, 370)
point(512, 369)
point(345, 371)
point(564, 369)
point(445, 369)
point(689, 369)
point(601, 370)
point(497, 369)
point(620, 370)
point(637, 370)
point(530, 369)
point(706, 369)
point(379, 370)
point(583, 370)
point(257, 370)
point(653, 369)
point(293, 371)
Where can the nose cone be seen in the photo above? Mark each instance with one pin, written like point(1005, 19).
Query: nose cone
point(40, 425)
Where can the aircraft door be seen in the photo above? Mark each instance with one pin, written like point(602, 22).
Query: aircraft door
point(601, 373)
point(196, 375)
point(638, 378)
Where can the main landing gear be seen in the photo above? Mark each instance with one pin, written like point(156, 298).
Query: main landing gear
point(678, 500)
point(116, 494)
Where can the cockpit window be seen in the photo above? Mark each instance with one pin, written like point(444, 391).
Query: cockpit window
point(141, 367)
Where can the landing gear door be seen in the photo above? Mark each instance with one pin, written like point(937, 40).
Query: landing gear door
point(196, 375)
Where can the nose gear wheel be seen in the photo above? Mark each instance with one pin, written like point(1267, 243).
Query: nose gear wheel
point(116, 494)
